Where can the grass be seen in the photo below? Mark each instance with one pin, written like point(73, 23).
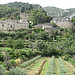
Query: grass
point(5, 48)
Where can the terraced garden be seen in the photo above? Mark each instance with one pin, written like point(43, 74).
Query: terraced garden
point(43, 66)
point(52, 66)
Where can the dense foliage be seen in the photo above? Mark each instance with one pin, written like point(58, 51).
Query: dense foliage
point(2, 70)
point(12, 10)
point(39, 16)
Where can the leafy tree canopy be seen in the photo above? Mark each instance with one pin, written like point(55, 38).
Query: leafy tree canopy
point(39, 16)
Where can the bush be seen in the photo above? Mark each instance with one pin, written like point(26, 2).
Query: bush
point(72, 60)
point(67, 56)
point(12, 62)
point(1, 57)
point(16, 71)
point(18, 44)
point(2, 70)
point(18, 61)
point(29, 62)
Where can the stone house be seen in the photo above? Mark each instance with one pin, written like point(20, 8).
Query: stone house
point(48, 27)
point(15, 24)
point(63, 22)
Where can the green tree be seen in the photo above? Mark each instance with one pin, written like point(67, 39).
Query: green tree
point(73, 20)
point(18, 44)
point(39, 16)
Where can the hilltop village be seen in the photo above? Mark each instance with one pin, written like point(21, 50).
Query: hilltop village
point(10, 24)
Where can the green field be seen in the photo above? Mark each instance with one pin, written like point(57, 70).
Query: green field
point(57, 71)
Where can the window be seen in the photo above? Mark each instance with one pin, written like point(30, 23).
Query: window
point(11, 26)
point(2, 25)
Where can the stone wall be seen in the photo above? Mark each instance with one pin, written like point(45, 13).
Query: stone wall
point(24, 17)
point(12, 25)
point(64, 24)
point(48, 27)
point(15, 24)
point(44, 25)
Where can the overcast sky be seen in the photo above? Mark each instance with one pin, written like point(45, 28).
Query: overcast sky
point(64, 4)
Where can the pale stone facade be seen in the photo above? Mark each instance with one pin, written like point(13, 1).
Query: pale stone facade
point(48, 27)
point(15, 24)
point(63, 23)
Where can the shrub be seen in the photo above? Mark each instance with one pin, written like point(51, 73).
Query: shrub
point(51, 66)
point(18, 44)
point(67, 56)
point(12, 62)
point(29, 62)
point(16, 71)
point(2, 70)
point(1, 57)
point(18, 61)
point(72, 60)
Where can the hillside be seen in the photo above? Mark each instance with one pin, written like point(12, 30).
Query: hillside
point(34, 51)
point(12, 10)
point(59, 13)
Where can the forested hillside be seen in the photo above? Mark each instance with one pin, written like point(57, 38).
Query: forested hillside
point(59, 13)
point(12, 10)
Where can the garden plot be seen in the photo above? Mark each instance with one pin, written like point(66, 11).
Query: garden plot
point(55, 66)
point(33, 67)
point(52, 66)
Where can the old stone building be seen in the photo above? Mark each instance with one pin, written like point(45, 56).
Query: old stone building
point(48, 27)
point(15, 24)
point(63, 22)
point(44, 25)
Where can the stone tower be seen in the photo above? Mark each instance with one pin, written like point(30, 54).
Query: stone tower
point(24, 17)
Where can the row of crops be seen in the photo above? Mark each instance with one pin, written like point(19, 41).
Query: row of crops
point(63, 69)
point(52, 67)
point(27, 63)
point(19, 70)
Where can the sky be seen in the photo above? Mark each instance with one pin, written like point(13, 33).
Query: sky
point(63, 4)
